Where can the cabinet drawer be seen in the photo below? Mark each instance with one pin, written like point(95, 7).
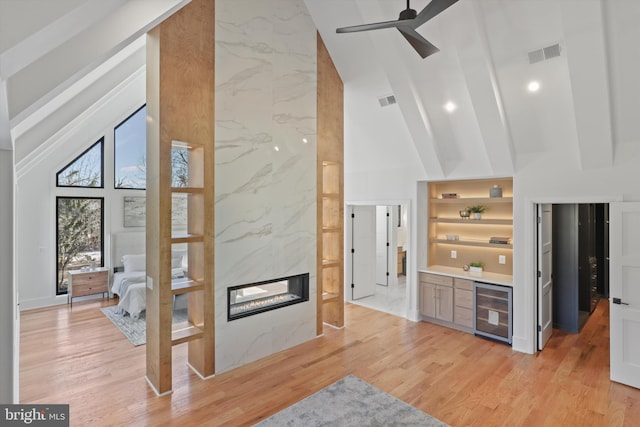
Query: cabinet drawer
point(463, 316)
point(463, 298)
point(463, 284)
point(90, 279)
point(436, 279)
point(88, 289)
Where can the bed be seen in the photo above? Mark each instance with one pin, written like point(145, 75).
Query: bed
point(129, 277)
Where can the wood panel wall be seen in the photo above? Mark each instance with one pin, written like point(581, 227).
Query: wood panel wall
point(180, 107)
point(330, 149)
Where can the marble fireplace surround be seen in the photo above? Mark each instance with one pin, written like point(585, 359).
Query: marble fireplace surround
point(265, 170)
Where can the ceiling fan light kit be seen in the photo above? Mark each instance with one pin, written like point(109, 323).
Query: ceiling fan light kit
point(407, 23)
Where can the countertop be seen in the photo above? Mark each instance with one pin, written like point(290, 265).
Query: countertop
point(485, 277)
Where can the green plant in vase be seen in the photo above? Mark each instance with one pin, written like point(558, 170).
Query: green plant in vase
point(476, 267)
point(477, 211)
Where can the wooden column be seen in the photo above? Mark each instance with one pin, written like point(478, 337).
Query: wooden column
point(330, 175)
point(180, 108)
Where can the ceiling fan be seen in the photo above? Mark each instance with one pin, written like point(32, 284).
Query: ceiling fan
point(407, 23)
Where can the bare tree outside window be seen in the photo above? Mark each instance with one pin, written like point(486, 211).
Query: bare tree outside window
point(79, 220)
point(80, 236)
point(85, 170)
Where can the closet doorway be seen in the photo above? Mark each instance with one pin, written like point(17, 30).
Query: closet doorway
point(572, 264)
point(376, 257)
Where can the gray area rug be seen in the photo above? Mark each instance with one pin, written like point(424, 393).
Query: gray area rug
point(136, 329)
point(351, 402)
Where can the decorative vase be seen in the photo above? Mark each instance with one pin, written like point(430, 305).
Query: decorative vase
point(477, 215)
point(464, 214)
point(495, 192)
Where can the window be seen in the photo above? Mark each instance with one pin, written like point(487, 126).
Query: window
point(86, 170)
point(79, 236)
point(130, 148)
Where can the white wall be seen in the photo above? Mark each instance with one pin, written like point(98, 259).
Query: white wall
point(8, 299)
point(265, 209)
point(35, 204)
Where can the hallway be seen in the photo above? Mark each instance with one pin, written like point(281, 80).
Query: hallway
point(390, 299)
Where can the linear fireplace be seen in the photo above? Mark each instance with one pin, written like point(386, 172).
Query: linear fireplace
point(254, 298)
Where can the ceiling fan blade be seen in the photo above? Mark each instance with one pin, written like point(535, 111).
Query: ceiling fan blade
point(367, 27)
point(419, 43)
point(431, 10)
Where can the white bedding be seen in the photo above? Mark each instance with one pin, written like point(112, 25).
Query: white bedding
point(131, 289)
point(134, 300)
point(130, 277)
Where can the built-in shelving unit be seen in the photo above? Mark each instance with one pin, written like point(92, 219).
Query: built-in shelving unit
point(330, 189)
point(469, 239)
point(180, 123)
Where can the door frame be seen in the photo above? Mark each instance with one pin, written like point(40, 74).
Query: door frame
point(412, 273)
point(530, 244)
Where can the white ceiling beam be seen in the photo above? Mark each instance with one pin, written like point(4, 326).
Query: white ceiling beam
point(57, 70)
point(6, 142)
point(403, 87)
point(57, 103)
point(54, 34)
point(587, 61)
point(480, 76)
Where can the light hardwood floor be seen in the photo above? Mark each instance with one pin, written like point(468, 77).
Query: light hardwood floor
point(77, 356)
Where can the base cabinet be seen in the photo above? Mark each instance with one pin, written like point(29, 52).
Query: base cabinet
point(437, 301)
point(463, 302)
point(447, 301)
point(436, 297)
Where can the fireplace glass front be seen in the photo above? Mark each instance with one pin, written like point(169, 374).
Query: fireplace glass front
point(254, 298)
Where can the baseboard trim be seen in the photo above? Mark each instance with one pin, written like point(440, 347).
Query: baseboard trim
point(155, 390)
point(522, 345)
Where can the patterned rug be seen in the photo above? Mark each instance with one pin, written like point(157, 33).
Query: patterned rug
point(351, 402)
point(136, 329)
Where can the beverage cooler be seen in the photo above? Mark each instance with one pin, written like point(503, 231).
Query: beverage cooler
point(492, 311)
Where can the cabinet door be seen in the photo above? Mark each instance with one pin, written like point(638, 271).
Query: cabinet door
point(444, 301)
point(428, 299)
point(463, 298)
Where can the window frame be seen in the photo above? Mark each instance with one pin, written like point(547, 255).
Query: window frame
point(102, 233)
point(115, 155)
point(78, 157)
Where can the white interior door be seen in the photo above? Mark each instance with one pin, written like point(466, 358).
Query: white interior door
point(545, 278)
point(624, 291)
point(382, 245)
point(363, 253)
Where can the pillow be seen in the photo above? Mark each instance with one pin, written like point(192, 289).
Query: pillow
point(134, 263)
point(176, 259)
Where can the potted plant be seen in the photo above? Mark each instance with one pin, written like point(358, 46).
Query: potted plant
point(476, 267)
point(477, 211)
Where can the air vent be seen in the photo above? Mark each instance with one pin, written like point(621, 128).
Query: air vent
point(551, 51)
point(544, 53)
point(387, 100)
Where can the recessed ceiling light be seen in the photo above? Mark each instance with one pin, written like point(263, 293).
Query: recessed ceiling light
point(450, 107)
point(305, 140)
point(276, 148)
point(533, 86)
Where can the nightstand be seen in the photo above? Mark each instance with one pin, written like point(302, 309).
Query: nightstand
point(88, 282)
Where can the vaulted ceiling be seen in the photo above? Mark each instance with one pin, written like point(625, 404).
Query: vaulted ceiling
point(54, 52)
